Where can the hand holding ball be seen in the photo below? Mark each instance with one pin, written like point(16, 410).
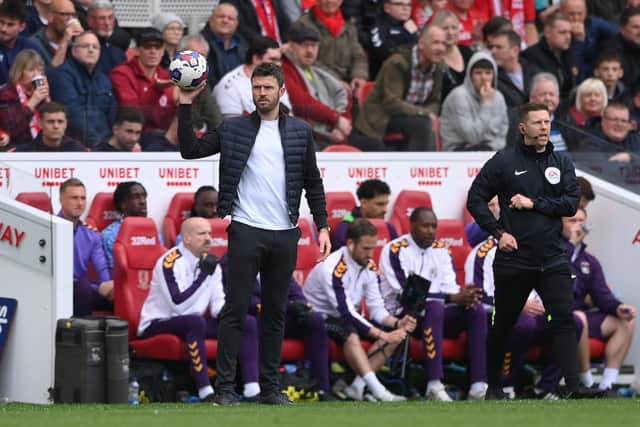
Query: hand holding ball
point(189, 70)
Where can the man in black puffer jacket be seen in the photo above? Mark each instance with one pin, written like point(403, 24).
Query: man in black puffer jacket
point(536, 187)
point(266, 160)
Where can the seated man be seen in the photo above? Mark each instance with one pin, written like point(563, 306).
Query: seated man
point(205, 205)
point(449, 308)
point(142, 83)
point(88, 295)
point(474, 115)
point(55, 39)
point(615, 136)
point(340, 50)
point(373, 196)
point(129, 199)
point(609, 319)
point(186, 281)
point(335, 288)
point(232, 92)
point(127, 129)
point(407, 95)
point(53, 126)
point(85, 91)
point(101, 20)
point(316, 95)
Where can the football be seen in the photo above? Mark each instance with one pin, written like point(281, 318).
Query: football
point(189, 69)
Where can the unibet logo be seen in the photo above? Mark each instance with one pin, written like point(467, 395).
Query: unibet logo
point(339, 213)
point(143, 241)
point(219, 241)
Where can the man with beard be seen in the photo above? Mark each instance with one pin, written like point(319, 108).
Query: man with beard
point(266, 159)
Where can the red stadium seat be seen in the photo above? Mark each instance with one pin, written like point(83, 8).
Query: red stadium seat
point(339, 204)
point(135, 253)
point(451, 232)
point(363, 91)
point(219, 236)
point(341, 148)
point(36, 199)
point(452, 349)
point(383, 237)
point(435, 126)
point(178, 211)
point(102, 211)
point(405, 203)
point(308, 251)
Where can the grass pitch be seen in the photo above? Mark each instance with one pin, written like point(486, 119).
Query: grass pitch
point(601, 413)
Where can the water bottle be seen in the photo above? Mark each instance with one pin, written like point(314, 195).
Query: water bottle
point(134, 391)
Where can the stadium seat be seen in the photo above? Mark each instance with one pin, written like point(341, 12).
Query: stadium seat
point(36, 199)
point(339, 204)
point(335, 148)
point(383, 237)
point(451, 232)
point(454, 349)
point(135, 253)
point(102, 211)
point(178, 211)
point(308, 251)
point(435, 126)
point(405, 203)
point(219, 236)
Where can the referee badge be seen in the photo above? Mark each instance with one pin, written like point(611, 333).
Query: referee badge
point(585, 267)
point(552, 174)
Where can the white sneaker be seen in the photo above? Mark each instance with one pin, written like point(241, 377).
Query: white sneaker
point(478, 394)
point(387, 396)
point(353, 393)
point(438, 394)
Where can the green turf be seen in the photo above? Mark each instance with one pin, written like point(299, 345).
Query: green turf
point(601, 413)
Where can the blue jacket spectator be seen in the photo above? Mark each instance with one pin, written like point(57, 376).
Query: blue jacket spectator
point(85, 91)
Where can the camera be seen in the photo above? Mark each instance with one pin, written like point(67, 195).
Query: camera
point(414, 294)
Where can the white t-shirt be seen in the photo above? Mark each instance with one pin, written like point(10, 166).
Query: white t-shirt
point(262, 200)
point(233, 94)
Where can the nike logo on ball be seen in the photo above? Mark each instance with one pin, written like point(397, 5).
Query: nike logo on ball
point(518, 173)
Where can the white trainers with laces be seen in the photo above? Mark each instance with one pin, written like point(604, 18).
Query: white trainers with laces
point(478, 394)
point(353, 393)
point(438, 394)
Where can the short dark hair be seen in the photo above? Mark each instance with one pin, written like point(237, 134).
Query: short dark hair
point(525, 109)
point(609, 57)
point(371, 188)
point(267, 69)
point(129, 114)
point(415, 214)
point(361, 227)
point(198, 193)
point(586, 190)
point(52, 107)
point(483, 64)
point(71, 182)
point(616, 106)
point(259, 46)
point(627, 14)
point(123, 192)
point(555, 17)
point(14, 9)
point(512, 37)
point(495, 25)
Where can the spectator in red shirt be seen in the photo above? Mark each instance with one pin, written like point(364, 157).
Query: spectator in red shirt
point(141, 82)
point(471, 18)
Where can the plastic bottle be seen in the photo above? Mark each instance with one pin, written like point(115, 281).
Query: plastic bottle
point(134, 391)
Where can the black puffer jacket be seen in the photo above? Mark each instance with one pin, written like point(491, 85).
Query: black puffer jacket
point(234, 139)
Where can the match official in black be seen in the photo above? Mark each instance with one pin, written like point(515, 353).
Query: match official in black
point(266, 159)
point(536, 187)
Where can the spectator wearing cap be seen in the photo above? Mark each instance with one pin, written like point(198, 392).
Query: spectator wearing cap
point(227, 48)
point(142, 83)
point(172, 28)
point(316, 95)
point(261, 18)
point(102, 21)
point(340, 51)
point(86, 91)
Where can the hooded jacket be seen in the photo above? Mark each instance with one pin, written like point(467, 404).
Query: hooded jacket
point(466, 121)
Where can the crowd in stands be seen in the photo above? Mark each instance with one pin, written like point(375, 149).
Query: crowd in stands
point(377, 75)
point(356, 297)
